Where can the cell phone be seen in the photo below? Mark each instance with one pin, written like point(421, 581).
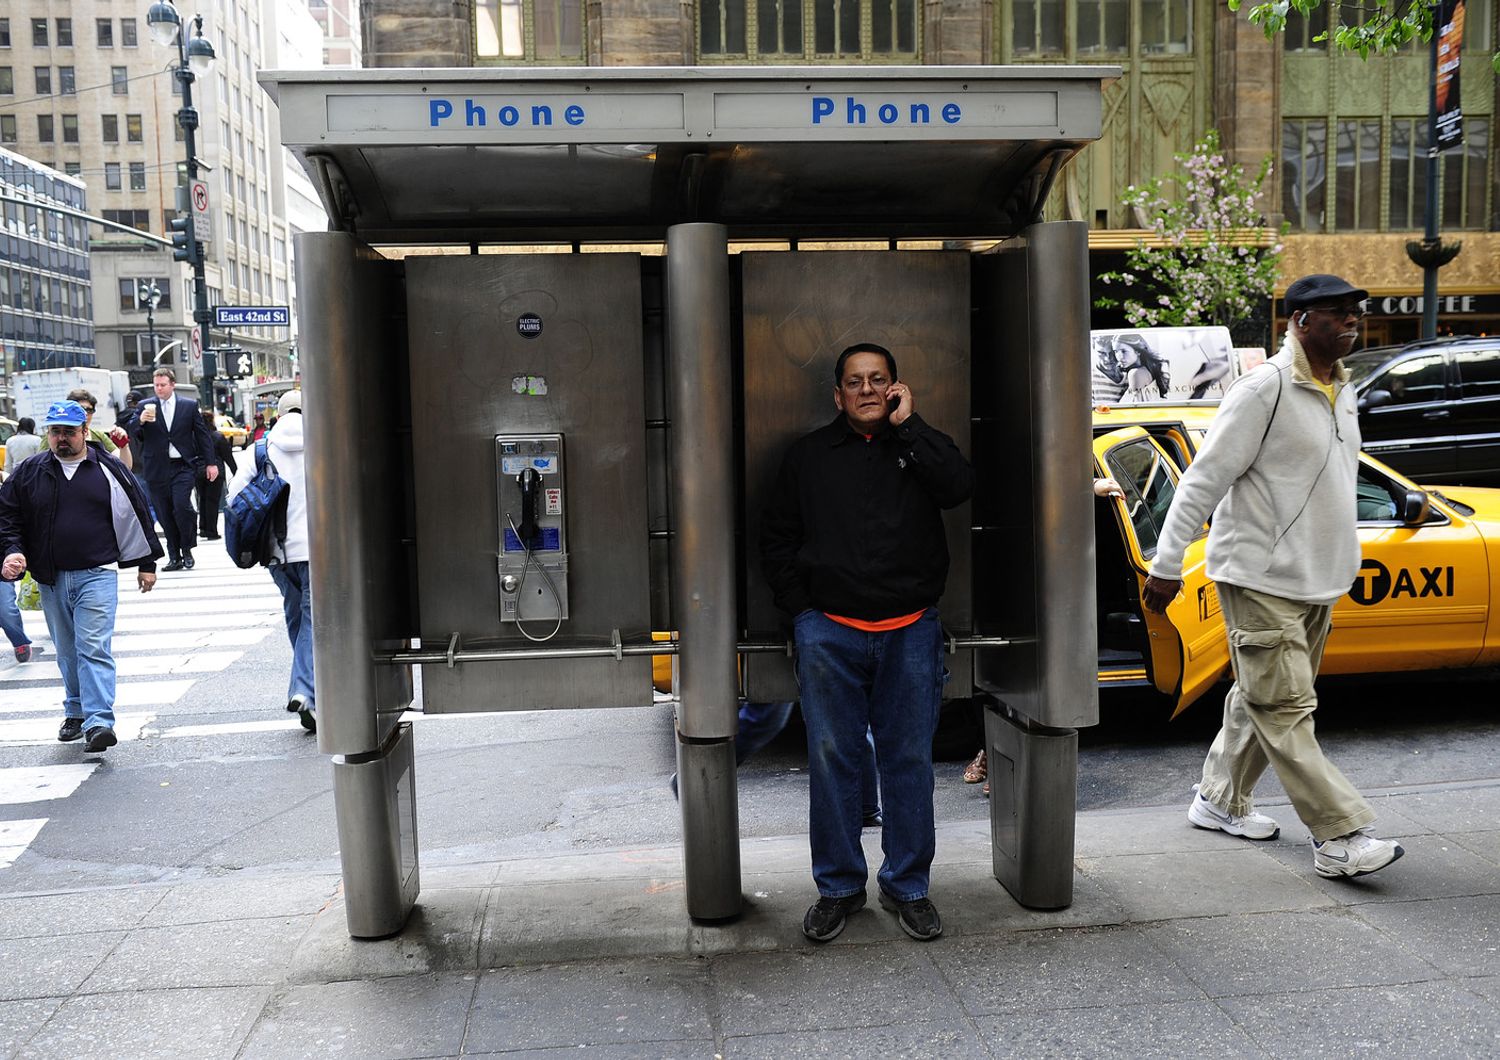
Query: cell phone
point(893, 402)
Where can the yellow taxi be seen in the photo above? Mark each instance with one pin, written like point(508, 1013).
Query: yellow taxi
point(1423, 600)
point(236, 434)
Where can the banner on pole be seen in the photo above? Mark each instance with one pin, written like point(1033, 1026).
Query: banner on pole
point(1450, 118)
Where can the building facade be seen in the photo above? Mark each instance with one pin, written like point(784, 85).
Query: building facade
point(1346, 135)
point(84, 89)
point(46, 295)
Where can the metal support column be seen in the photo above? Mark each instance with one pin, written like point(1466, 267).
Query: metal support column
point(703, 584)
point(1049, 686)
point(357, 569)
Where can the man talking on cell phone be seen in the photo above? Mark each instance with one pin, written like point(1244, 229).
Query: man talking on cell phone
point(853, 546)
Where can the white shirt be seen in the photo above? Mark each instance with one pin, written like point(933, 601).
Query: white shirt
point(168, 407)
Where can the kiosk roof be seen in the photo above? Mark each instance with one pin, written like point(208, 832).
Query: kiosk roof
point(512, 154)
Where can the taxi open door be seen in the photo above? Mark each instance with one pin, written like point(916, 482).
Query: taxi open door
point(1188, 651)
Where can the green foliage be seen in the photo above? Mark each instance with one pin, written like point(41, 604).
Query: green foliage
point(1387, 25)
point(1201, 271)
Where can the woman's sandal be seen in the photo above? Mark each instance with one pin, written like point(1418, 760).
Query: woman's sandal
point(977, 770)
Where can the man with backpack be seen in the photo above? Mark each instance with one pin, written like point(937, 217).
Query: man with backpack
point(286, 553)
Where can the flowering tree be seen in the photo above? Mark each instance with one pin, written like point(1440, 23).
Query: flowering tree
point(1200, 268)
point(1381, 26)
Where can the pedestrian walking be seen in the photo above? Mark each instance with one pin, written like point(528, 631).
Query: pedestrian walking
point(69, 516)
point(22, 444)
point(854, 549)
point(289, 569)
point(210, 491)
point(1278, 473)
point(104, 439)
point(175, 443)
point(14, 626)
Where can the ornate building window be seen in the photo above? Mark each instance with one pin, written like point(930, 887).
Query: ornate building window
point(808, 30)
point(546, 32)
point(1062, 28)
point(1304, 173)
point(1375, 153)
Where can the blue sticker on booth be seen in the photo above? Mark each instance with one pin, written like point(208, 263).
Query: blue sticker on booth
point(551, 540)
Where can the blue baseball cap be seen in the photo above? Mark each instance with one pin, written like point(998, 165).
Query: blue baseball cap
point(65, 414)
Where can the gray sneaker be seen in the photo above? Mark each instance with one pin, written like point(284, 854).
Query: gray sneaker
point(918, 918)
point(1355, 854)
point(1204, 814)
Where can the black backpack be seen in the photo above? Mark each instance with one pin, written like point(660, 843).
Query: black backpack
point(255, 521)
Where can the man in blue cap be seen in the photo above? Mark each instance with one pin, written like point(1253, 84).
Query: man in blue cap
point(69, 515)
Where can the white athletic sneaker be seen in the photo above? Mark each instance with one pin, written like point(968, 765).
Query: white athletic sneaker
point(1355, 854)
point(1204, 814)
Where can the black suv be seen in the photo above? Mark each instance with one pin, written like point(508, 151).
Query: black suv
point(1432, 409)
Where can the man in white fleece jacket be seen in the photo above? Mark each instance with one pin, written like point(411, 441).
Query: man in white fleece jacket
point(1278, 473)
point(289, 569)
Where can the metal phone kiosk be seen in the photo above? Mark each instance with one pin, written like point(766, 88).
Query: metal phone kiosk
point(584, 440)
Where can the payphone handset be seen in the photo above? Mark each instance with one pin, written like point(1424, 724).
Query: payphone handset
point(533, 541)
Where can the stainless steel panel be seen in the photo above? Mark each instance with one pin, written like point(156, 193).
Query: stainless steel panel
point(466, 357)
point(375, 803)
point(1033, 804)
point(352, 377)
point(710, 827)
point(1034, 546)
point(800, 311)
point(700, 388)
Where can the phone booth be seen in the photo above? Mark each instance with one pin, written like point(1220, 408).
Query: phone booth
point(637, 309)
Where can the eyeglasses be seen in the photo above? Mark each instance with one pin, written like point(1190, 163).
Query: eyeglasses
point(878, 383)
point(1358, 310)
point(89, 409)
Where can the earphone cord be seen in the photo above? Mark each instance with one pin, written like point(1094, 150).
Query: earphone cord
point(529, 561)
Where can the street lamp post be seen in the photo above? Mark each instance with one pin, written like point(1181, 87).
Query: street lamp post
point(149, 295)
point(195, 58)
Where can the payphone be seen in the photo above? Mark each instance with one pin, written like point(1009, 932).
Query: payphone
point(533, 533)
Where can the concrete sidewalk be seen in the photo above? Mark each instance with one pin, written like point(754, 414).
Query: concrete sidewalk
point(1179, 942)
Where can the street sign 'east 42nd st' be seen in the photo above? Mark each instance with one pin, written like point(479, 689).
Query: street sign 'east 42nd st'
point(250, 316)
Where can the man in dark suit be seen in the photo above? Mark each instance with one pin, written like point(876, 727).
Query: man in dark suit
point(175, 443)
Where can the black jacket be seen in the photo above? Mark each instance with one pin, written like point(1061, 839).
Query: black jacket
point(190, 434)
point(855, 527)
point(28, 514)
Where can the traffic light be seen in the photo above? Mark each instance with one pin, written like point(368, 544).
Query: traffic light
point(182, 238)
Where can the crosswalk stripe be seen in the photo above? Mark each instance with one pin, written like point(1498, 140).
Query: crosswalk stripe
point(127, 694)
point(264, 588)
point(42, 783)
point(29, 732)
point(225, 728)
point(125, 643)
point(205, 662)
point(159, 623)
point(15, 837)
point(228, 609)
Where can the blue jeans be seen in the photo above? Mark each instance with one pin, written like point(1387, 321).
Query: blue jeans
point(10, 616)
point(296, 607)
point(890, 684)
point(760, 723)
point(80, 610)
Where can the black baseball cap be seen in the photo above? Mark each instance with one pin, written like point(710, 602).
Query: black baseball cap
point(1321, 288)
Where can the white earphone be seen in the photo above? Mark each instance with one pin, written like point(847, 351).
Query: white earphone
point(1302, 320)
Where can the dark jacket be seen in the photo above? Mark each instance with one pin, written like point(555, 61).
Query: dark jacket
point(28, 510)
point(855, 527)
point(223, 456)
point(189, 434)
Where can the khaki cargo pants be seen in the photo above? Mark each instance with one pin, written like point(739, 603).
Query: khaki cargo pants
point(1276, 647)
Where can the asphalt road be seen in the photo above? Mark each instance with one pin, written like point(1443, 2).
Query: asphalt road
point(222, 778)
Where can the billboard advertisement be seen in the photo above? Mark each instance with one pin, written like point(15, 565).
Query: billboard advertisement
point(1137, 366)
point(1450, 39)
